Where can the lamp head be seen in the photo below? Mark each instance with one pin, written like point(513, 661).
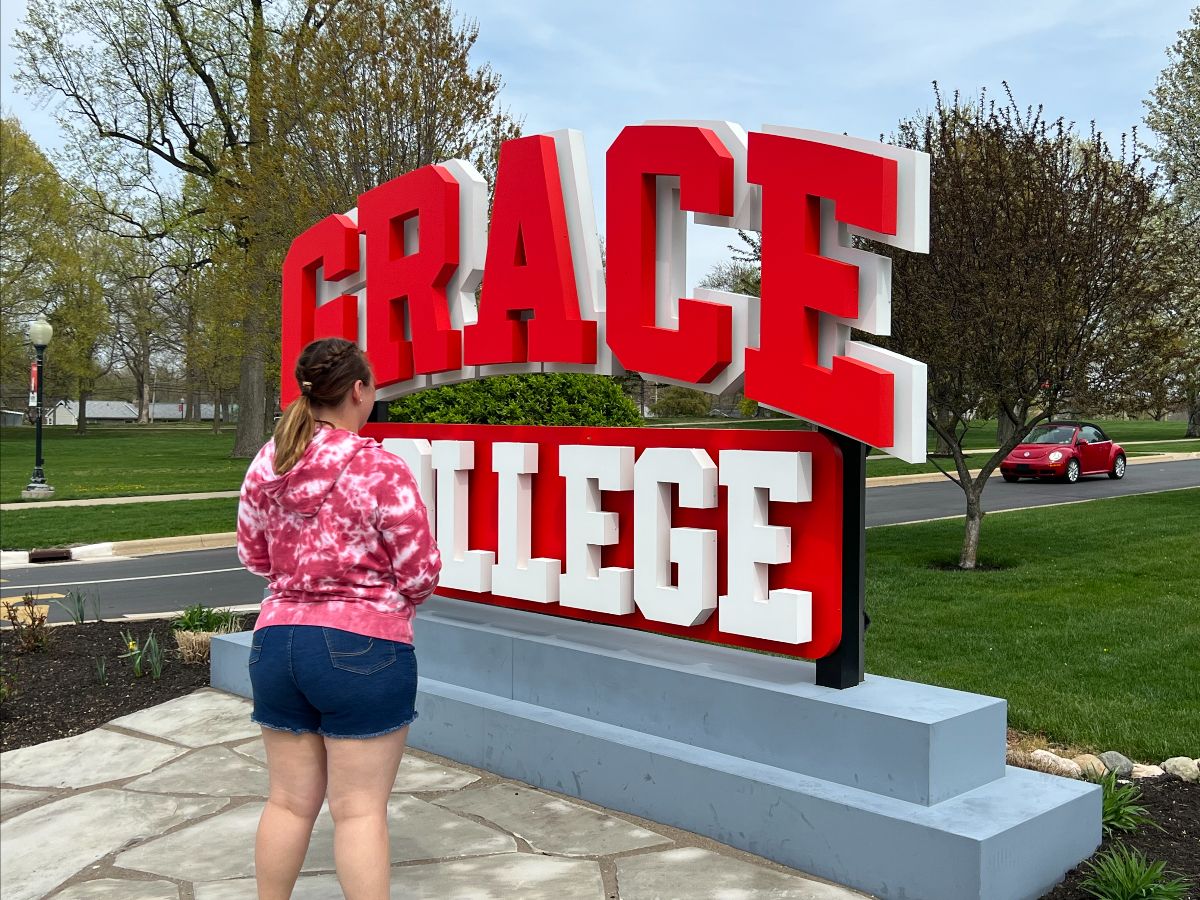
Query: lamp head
point(40, 332)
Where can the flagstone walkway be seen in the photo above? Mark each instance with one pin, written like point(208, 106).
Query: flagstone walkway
point(163, 804)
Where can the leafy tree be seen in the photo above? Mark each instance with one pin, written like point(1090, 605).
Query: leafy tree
point(1041, 242)
point(554, 398)
point(83, 327)
point(680, 401)
point(34, 211)
point(242, 96)
point(1173, 112)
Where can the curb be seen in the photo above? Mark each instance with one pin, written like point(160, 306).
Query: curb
point(146, 547)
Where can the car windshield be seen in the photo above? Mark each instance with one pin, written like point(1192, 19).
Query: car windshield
point(1051, 434)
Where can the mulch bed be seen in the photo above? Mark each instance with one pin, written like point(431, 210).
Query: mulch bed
point(1175, 805)
point(58, 694)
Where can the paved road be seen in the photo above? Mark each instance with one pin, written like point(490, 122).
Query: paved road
point(917, 502)
point(214, 577)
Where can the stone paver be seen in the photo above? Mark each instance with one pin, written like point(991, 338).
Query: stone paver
point(59, 827)
point(43, 847)
point(506, 877)
point(215, 771)
point(525, 875)
point(700, 874)
point(14, 799)
point(308, 887)
point(416, 773)
point(223, 846)
point(93, 757)
point(120, 889)
point(552, 825)
point(197, 720)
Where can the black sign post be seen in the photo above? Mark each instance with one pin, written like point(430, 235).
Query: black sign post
point(845, 667)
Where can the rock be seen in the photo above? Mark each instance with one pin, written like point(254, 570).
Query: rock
point(1140, 771)
point(1182, 767)
point(1056, 765)
point(1092, 766)
point(1115, 762)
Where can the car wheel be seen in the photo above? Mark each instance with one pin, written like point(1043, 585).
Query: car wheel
point(1072, 475)
point(1118, 469)
point(1009, 478)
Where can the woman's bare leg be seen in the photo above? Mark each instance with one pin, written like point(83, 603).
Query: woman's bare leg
point(296, 765)
point(362, 772)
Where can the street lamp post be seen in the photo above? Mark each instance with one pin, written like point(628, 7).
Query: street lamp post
point(40, 333)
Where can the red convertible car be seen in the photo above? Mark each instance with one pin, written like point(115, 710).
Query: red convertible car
point(1065, 451)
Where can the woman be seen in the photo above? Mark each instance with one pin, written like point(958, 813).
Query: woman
point(336, 524)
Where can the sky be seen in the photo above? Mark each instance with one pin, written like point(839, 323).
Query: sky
point(841, 67)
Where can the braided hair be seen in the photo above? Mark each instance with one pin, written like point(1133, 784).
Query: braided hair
point(326, 371)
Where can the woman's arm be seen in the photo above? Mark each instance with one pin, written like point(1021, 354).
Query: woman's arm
point(404, 531)
point(252, 525)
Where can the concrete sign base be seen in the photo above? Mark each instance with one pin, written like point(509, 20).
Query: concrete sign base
point(895, 788)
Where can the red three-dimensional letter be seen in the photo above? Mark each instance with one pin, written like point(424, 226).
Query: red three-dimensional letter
point(397, 275)
point(529, 267)
point(332, 243)
point(798, 284)
point(702, 346)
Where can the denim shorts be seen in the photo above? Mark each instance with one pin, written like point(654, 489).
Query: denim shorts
point(330, 682)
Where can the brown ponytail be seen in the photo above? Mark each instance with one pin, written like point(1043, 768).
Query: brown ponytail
point(326, 370)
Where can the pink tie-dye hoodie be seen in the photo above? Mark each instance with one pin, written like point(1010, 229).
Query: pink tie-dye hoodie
point(342, 536)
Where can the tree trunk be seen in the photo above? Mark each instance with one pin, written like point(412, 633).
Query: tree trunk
point(144, 404)
point(81, 421)
point(945, 422)
point(269, 413)
point(216, 420)
point(1192, 393)
point(1006, 427)
point(252, 399)
point(970, 546)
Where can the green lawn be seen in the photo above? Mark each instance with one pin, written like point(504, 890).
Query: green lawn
point(70, 526)
point(1166, 447)
point(1090, 631)
point(120, 461)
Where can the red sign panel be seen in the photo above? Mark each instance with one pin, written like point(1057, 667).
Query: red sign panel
point(721, 535)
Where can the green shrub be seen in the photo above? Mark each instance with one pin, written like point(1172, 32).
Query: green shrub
point(553, 398)
point(1121, 809)
point(681, 401)
point(1123, 874)
point(204, 618)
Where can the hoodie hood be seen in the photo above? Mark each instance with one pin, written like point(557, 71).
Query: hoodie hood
point(304, 487)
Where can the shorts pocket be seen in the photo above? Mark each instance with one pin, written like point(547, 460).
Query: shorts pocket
point(358, 653)
point(256, 643)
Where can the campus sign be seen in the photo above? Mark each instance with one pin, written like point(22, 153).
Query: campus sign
point(726, 535)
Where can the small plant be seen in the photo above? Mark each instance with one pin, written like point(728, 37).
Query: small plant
point(28, 623)
point(195, 628)
point(133, 652)
point(1123, 874)
point(101, 665)
point(1121, 810)
point(76, 603)
point(8, 683)
point(153, 656)
point(204, 618)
